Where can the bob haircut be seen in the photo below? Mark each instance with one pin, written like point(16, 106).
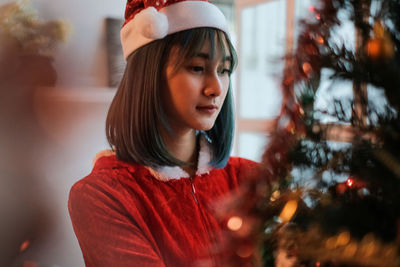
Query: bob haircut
point(135, 117)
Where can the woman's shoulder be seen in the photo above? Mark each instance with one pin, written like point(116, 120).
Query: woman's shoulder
point(108, 174)
point(242, 168)
point(239, 162)
point(111, 183)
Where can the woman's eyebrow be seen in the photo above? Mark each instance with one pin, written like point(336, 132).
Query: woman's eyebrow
point(207, 57)
point(202, 55)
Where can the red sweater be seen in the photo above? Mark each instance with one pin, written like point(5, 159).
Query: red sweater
point(129, 215)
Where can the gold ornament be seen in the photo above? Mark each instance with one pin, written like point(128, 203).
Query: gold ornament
point(380, 45)
point(343, 238)
point(374, 48)
point(288, 211)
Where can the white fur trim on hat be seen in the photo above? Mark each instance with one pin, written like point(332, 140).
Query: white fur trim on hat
point(149, 25)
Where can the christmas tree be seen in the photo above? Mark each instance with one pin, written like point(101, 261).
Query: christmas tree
point(328, 194)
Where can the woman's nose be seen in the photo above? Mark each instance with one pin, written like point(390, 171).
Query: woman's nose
point(213, 86)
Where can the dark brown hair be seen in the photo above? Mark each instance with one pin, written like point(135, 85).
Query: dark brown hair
point(136, 113)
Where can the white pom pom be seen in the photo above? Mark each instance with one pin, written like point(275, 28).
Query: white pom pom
point(151, 23)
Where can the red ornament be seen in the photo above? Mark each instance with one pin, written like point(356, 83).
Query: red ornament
point(349, 182)
point(24, 245)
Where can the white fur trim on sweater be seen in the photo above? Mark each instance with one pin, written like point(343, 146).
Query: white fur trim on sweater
point(177, 17)
point(167, 173)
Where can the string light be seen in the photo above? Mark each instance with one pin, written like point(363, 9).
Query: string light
point(381, 44)
point(350, 182)
point(368, 246)
point(235, 223)
point(288, 211)
point(350, 250)
point(390, 251)
point(320, 40)
point(275, 195)
point(307, 68)
point(368, 249)
point(330, 243)
point(343, 239)
point(316, 128)
point(245, 251)
point(373, 48)
point(24, 245)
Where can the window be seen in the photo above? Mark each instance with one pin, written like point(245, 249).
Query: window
point(266, 31)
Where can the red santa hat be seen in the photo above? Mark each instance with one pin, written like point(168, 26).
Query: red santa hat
point(149, 20)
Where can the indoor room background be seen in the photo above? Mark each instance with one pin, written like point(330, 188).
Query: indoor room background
point(67, 117)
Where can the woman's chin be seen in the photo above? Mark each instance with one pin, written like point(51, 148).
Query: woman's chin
point(205, 127)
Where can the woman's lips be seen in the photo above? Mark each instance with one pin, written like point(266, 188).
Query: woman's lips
point(209, 109)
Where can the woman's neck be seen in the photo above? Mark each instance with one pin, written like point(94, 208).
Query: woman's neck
point(183, 146)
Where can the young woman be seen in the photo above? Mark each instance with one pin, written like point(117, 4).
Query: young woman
point(149, 201)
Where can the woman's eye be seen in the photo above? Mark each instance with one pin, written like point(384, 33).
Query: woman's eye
point(196, 68)
point(226, 71)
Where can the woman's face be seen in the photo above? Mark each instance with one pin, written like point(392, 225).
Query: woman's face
point(196, 91)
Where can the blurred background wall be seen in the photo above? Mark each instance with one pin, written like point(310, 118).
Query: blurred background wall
point(51, 128)
point(82, 61)
point(50, 134)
